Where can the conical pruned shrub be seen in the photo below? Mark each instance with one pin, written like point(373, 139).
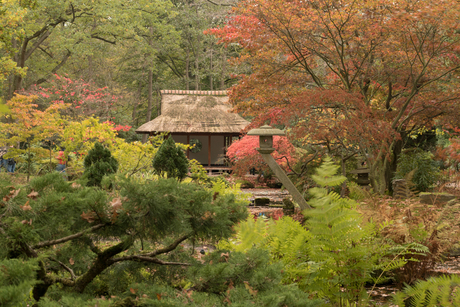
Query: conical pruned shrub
point(170, 161)
point(98, 163)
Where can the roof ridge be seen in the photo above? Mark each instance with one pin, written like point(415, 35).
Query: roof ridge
point(185, 92)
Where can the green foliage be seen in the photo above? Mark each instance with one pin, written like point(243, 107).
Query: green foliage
point(343, 252)
point(438, 291)
point(111, 242)
point(170, 160)
point(136, 157)
point(426, 169)
point(198, 173)
point(285, 238)
point(16, 280)
point(98, 163)
point(356, 192)
point(240, 278)
point(75, 301)
point(336, 256)
point(169, 206)
point(220, 186)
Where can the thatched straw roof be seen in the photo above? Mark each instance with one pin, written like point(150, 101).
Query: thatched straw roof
point(195, 112)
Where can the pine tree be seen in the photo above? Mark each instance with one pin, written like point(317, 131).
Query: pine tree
point(84, 241)
point(98, 163)
point(170, 161)
point(16, 279)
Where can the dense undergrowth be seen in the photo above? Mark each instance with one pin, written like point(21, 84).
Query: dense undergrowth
point(131, 242)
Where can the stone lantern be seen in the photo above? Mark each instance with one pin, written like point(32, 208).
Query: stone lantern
point(266, 134)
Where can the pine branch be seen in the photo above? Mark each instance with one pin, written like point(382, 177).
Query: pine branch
point(92, 246)
point(150, 257)
point(170, 247)
point(102, 261)
point(146, 259)
point(68, 238)
point(72, 274)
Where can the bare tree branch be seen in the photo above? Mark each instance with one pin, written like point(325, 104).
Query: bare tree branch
point(102, 39)
point(72, 274)
point(170, 247)
point(146, 259)
point(68, 238)
point(56, 68)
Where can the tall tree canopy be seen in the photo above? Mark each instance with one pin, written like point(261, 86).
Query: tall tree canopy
point(133, 48)
point(54, 31)
point(349, 75)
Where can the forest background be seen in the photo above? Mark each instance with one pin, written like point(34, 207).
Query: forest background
point(349, 79)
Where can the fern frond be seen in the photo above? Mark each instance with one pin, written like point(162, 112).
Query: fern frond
point(341, 249)
point(250, 233)
point(325, 175)
point(439, 291)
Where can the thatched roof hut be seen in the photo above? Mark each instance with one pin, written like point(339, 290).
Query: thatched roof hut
point(195, 112)
point(198, 117)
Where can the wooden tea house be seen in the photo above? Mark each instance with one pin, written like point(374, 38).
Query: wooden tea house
point(201, 118)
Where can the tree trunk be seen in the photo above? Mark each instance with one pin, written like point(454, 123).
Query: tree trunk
point(187, 65)
point(224, 71)
point(393, 164)
point(197, 79)
point(102, 262)
point(149, 103)
point(210, 72)
point(136, 103)
point(377, 175)
point(150, 87)
point(159, 102)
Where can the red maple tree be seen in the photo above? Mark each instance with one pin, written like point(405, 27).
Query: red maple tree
point(350, 76)
point(244, 156)
point(85, 98)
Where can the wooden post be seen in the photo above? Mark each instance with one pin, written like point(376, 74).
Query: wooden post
point(285, 181)
point(188, 142)
point(209, 150)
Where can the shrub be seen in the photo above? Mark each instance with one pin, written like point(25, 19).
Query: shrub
point(170, 160)
point(87, 241)
point(16, 279)
point(246, 279)
point(426, 169)
point(98, 163)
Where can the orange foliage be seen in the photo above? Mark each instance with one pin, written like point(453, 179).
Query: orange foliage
point(348, 75)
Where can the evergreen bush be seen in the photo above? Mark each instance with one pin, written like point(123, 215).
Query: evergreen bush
point(246, 279)
point(98, 163)
point(170, 160)
point(87, 242)
point(16, 279)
